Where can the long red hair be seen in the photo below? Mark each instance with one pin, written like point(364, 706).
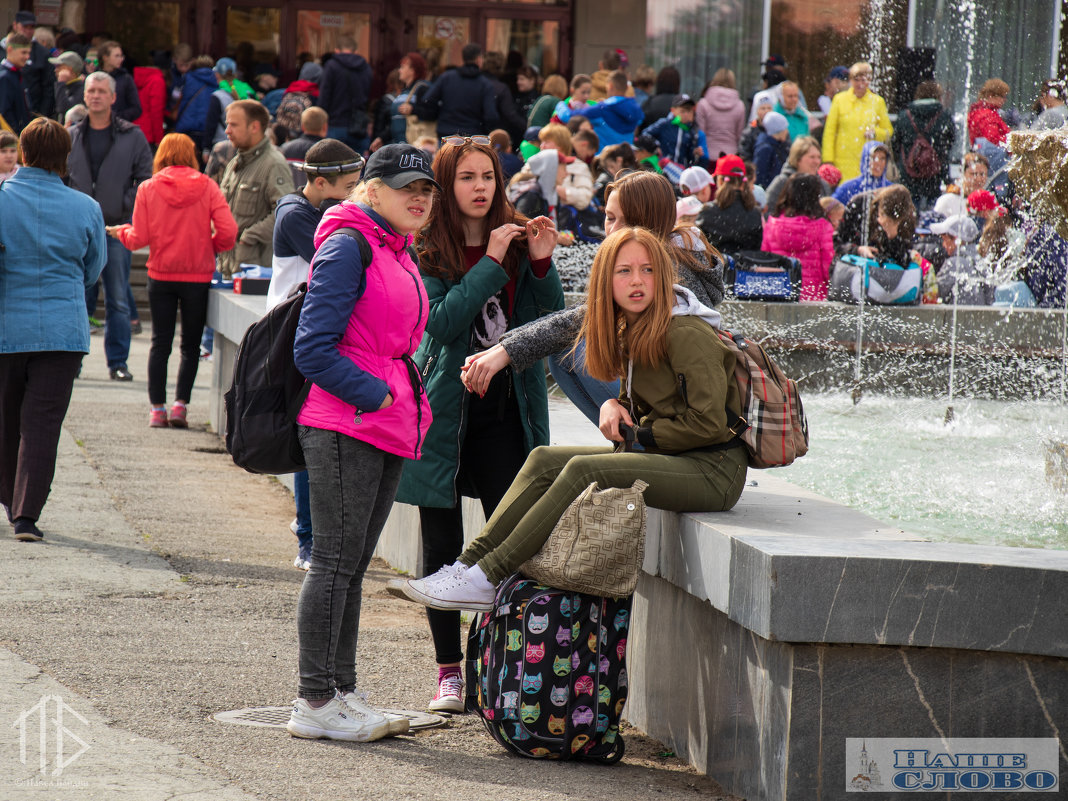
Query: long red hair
point(610, 341)
point(440, 243)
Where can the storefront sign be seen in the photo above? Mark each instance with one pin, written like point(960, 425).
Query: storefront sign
point(47, 11)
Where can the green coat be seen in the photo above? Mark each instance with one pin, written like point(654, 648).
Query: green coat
point(446, 344)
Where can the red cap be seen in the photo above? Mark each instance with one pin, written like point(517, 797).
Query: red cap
point(982, 200)
point(730, 166)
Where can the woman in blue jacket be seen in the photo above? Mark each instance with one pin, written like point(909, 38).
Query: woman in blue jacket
point(45, 269)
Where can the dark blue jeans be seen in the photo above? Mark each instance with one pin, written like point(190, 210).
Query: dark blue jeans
point(341, 133)
point(352, 489)
point(586, 392)
point(117, 311)
point(303, 503)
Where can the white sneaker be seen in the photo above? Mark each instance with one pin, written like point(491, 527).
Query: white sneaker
point(452, 589)
point(357, 702)
point(450, 697)
point(335, 721)
point(293, 526)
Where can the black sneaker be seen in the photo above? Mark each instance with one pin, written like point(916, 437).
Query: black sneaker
point(121, 374)
point(26, 530)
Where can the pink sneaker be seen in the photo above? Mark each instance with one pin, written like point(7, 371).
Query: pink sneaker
point(178, 416)
point(157, 418)
point(450, 697)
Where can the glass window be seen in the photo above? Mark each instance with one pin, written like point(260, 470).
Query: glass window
point(537, 40)
point(700, 37)
point(814, 36)
point(446, 36)
point(1011, 40)
point(252, 35)
point(317, 31)
point(141, 27)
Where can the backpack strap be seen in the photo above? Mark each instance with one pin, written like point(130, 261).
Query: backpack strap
point(366, 254)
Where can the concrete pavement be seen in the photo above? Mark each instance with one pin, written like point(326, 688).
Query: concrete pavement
point(165, 592)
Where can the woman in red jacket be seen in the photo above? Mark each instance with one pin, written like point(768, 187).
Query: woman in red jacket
point(984, 117)
point(182, 216)
point(800, 229)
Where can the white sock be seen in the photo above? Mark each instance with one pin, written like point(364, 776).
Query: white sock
point(478, 579)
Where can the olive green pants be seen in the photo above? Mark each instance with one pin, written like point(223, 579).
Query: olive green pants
point(551, 478)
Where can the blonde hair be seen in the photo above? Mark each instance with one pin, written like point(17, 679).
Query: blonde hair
point(558, 135)
point(361, 193)
point(861, 67)
point(610, 340)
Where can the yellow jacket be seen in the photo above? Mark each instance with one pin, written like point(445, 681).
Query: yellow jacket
point(844, 130)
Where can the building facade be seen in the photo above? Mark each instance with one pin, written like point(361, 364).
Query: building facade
point(963, 42)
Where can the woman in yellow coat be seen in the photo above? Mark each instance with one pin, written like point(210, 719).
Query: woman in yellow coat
point(856, 117)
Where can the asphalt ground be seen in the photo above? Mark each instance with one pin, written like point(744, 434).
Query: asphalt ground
point(165, 592)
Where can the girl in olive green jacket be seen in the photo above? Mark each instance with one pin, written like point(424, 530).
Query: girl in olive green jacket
point(676, 386)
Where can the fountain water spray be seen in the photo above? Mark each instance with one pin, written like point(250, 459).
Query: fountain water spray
point(967, 9)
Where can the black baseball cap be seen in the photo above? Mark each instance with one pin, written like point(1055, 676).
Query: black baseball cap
point(682, 100)
point(399, 165)
point(25, 18)
point(774, 60)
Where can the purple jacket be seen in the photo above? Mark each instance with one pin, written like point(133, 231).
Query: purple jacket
point(358, 330)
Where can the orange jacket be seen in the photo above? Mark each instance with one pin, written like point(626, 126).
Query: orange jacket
point(174, 214)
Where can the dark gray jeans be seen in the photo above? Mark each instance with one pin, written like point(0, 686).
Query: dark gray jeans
point(352, 486)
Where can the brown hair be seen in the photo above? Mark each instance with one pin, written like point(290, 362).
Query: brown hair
point(799, 148)
point(895, 202)
point(732, 189)
point(8, 139)
point(994, 240)
point(203, 61)
point(609, 339)
point(647, 199)
point(558, 135)
point(105, 49)
point(176, 150)
point(46, 145)
point(254, 111)
point(994, 87)
point(555, 85)
point(618, 80)
point(314, 120)
point(622, 151)
point(580, 80)
point(500, 139)
point(928, 90)
point(724, 77)
point(440, 243)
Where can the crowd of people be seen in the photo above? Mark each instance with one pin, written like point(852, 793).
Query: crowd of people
point(473, 187)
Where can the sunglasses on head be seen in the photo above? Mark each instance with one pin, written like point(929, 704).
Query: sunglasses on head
point(465, 140)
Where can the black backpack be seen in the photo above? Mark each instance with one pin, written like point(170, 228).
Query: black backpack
point(268, 390)
point(546, 671)
point(922, 160)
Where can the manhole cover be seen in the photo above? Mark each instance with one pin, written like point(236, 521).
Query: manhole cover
point(276, 717)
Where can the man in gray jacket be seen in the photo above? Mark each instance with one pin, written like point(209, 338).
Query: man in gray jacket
point(109, 158)
point(253, 182)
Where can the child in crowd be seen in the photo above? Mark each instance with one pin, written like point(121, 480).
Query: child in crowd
point(891, 226)
point(581, 86)
point(9, 155)
point(617, 116)
point(365, 414)
point(798, 228)
point(687, 209)
point(502, 143)
point(635, 323)
point(608, 164)
point(487, 268)
point(874, 160)
point(763, 102)
point(647, 153)
point(772, 148)
point(961, 279)
point(333, 170)
point(833, 211)
point(732, 221)
point(586, 145)
point(679, 138)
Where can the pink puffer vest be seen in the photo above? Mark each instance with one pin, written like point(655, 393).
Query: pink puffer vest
point(384, 330)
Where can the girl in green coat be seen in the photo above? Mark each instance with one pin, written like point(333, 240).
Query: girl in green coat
point(486, 269)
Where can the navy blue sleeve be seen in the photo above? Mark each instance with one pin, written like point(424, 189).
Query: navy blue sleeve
point(295, 232)
point(337, 282)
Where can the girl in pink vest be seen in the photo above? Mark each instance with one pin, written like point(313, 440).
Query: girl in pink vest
point(365, 414)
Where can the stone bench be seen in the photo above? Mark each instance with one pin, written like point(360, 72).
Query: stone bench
point(764, 637)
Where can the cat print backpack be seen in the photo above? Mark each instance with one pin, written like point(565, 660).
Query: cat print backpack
point(546, 670)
